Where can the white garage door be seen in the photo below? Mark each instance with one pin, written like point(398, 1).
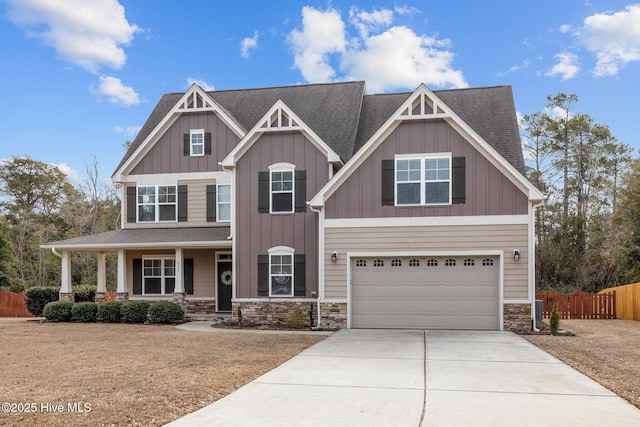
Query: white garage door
point(453, 292)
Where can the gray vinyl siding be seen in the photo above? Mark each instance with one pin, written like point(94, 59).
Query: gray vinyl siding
point(167, 156)
point(257, 232)
point(433, 239)
point(196, 207)
point(488, 191)
point(204, 264)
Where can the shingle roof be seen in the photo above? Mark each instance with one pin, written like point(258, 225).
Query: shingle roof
point(345, 118)
point(131, 238)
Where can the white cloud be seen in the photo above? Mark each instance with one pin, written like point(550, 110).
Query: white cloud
point(565, 28)
point(117, 93)
point(128, 131)
point(614, 38)
point(322, 34)
point(88, 33)
point(385, 57)
point(200, 82)
point(521, 66)
point(72, 175)
point(248, 43)
point(567, 66)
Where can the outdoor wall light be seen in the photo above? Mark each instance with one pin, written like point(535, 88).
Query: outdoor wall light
point(334, 257)
point(516, 254)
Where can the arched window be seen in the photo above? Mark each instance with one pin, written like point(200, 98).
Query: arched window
point(361, 263)
point(450, 262)
point(414, 263)
point(378, 263)
point(432, 262)
point(469, 262)
point(396, 263)
point(487, 262)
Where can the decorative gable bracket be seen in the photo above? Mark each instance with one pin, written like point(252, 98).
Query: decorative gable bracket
point(279, 120)
point(195, 100)
point(423, 106)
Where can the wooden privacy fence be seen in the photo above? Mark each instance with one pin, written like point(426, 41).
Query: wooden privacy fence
point(579, 305)
point(627, 300)
point(12, 305)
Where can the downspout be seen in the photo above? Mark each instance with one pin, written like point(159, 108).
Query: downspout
point(56, 253)
point(318, 326)
point(533, 256)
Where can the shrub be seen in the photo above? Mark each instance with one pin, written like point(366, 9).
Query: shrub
point(109, 311)
point(135, 311)
point(294, 320)
point(15, 288)
point(165, 312)
point(84, 293)
point(554, 320)
point(38, 297)
point(84, 311)
point(58, 311)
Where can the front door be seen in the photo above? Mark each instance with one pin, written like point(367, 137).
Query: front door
point(225, 282)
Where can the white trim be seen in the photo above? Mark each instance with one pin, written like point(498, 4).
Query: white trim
point(492, 252)
point(423, 181)
point(191, 144)
point(264, 125)
point(234, 243)
point(158, 245)
point(163, 258)
point(282, 251)
point(436, 221)
point(156, 204)
point(275, 299)
point(517, 301)
point(281, 168)
point(218, 185)
point(221, 177)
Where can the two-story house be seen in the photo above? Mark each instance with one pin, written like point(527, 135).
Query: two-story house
point(401, 210)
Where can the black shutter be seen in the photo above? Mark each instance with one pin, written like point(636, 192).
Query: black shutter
point(458, 179)
point(207, 143)
point(388, 185)
point(186, 144)
point(263, 275)
point(182, 203)
point(301, 191)
point(188, 275)
point(299, 274)
point(137, 276)
point(131, 204)
point(263, 192)
point(212, 203)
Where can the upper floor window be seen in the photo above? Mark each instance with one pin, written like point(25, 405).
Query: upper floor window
point(157, 203)
point(282, 188)
point(224, 202)
point(197, 142)
point(423, 180)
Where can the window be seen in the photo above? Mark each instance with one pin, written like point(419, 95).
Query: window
point(361, 263)
point(197, 142)
point(423, 181)
point(414, 263)
point(224, 202)
point(450, 262)
point(282, 191)
point(469, 262)
point(158, 276)
point(432, 262)
point(378, 263)
point(281, 275)
point(396, 263)
point(157, 203)
point(487, 262)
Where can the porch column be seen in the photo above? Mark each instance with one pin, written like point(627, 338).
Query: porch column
point(101, 291)
point(121, 290)
point(66, 292)
point(179, 294)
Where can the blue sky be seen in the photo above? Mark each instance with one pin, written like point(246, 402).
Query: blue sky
point(79, 78)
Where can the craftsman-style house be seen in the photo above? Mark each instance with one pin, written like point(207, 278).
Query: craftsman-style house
point(400, 210)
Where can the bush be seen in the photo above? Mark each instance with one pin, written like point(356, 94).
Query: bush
point(84, 293)
point(15, 288)
point(554, 320)
point(84, 311)
point(135, 311)
point(109, 312)
point(165, 312)
point(38, 297)
point(294, 320)
point(58, 311)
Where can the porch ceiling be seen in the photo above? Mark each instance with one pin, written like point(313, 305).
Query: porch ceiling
point(195, 237)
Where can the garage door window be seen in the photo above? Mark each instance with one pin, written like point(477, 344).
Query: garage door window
point(432, 262)
point(487, 262)
point(450, 262)
point(378, 263)
point(414, 263)
point(469, 262)
point(361, 263)
point(396, 263)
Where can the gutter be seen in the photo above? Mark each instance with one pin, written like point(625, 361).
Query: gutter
point(533, 304)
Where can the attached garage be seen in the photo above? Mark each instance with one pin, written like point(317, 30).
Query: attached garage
point(426, 292)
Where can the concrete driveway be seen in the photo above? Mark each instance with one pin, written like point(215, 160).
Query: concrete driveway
point(419, 378)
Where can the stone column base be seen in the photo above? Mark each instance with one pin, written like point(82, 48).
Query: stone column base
point(180, 298)
point(517, 317)
point(67, 296)
point(122, 296)
point(100, 297)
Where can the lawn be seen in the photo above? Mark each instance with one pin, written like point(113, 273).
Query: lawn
point(136, 375)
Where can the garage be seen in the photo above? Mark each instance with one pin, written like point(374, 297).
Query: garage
point(425, 292)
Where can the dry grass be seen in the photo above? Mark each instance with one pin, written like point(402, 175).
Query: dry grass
point(607, 351)
point(140, 375)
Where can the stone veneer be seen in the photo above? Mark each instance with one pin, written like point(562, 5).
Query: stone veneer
point(517, 317)
point(67, 296)
point(274, 313)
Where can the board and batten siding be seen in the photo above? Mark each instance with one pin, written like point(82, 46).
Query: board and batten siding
point(204, 274)
point(430, 239)
point(488, 191)
point(257, 232)
point(167, 155)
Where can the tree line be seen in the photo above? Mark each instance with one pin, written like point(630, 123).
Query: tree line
point(587, 232)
